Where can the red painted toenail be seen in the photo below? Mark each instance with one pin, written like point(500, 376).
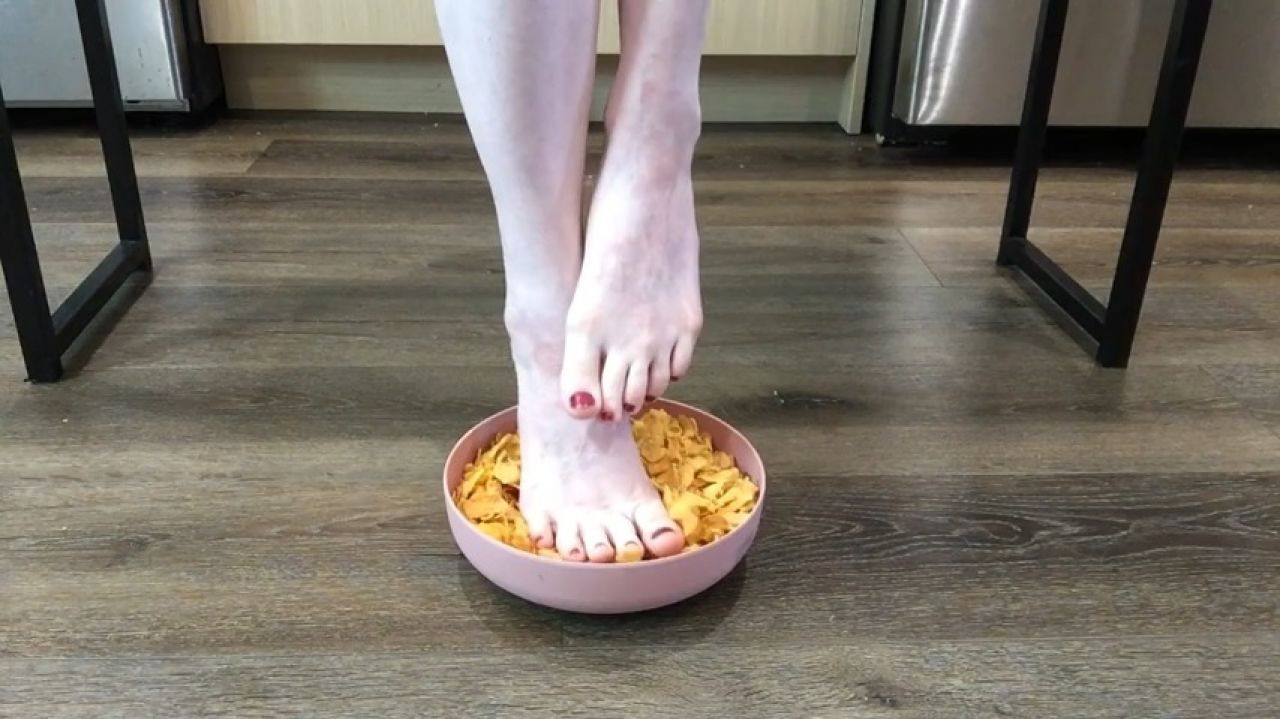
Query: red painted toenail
point(629, 407)
point(582, 400)
point(606, 416)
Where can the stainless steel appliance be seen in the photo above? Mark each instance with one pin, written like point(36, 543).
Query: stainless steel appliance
point(162, 61)
point(951, 63)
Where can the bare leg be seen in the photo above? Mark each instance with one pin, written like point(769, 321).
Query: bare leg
point(638, 302)
point(524, 72)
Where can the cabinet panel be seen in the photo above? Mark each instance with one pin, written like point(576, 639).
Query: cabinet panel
point(766, 27)
point(320, 22)
point(737, 27)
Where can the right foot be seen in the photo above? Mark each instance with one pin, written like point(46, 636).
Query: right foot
point(583, 487)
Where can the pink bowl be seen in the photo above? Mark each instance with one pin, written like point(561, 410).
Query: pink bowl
point(603, 588)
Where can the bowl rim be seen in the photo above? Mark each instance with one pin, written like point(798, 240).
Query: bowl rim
point(661, 403)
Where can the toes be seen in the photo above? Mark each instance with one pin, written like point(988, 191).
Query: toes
point(613, 382)
point(569, 538)
point(633, 398)
point(622, 532)
point(682, 356)
point(539, 524)
point(659, 377)
point(660, 535)
point(580, 377)
point(596, 540)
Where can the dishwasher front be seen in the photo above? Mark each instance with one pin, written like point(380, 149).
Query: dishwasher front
point(161, 59)
point(963, 63)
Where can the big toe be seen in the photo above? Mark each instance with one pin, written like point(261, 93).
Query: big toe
point(682, 355)
point(580, 377)
point(661, 536)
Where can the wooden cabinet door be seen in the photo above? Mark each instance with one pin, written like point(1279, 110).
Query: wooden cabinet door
point(736, 27)
point(766, 27)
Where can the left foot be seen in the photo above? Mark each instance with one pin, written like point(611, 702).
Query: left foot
point(583, 487)
point(637, 309)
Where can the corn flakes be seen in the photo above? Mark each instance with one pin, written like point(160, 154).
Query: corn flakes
point(703, 490)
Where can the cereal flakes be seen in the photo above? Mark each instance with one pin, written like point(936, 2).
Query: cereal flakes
point(703, 490)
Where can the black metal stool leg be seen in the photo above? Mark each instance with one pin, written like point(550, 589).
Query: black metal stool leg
point(1035, 122)
point(1015, 247)
point(45, 337)
point(133, 253)
point(1155, 174)
point(21, 267)
point(108, 105)
point(1112, 325)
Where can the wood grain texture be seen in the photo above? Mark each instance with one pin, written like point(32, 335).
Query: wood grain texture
point(176, 154)
point(731, 152)
point(1109, 678)
point(734, 27)
point(233, 509)
point(880, 203)
point(1209, 300)
point(1184, 257)
point(320, 22)
point(767, 27)
point(1257, 386)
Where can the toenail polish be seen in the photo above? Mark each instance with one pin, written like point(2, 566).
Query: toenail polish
point(581, 400)
point(607, 416)
point(629, 408)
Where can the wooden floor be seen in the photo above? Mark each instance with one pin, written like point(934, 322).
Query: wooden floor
point(232, 509)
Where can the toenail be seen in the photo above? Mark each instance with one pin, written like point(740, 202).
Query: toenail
point(629, 407)
point(575, 552)
point(606, 416)
point(581, 400)
point(661, 531)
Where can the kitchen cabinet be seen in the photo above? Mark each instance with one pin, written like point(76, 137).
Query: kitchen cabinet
point(819, 44)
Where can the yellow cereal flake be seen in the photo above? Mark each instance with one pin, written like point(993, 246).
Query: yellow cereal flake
point(703, 490)
point(629, 553)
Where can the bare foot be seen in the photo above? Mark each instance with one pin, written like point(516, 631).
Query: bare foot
point(637, 309)
point(583, 488)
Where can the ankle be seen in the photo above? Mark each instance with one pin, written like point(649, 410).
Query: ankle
point(652, 163)
point(668, 120)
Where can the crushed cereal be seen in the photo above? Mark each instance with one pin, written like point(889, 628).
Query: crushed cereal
point(703, 490)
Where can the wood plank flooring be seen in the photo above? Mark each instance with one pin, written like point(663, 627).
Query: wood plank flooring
point(231, 510)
